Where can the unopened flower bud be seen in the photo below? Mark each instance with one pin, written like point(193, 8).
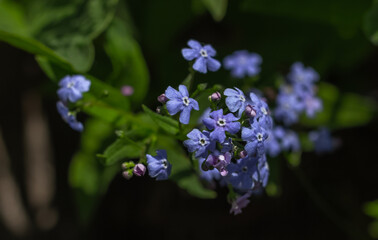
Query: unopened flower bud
point(243, 154)
point(215, 96)
point(158, 109)
point(249, 111)
point(127, 90)
point(139, 170)
point(162, 98)
point(127, 174)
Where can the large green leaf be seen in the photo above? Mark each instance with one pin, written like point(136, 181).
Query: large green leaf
point(70, 28)
point(182, 171)
point(87, 176)
point(129, 66)
point(167, 124)
point(63, 31)
point(12, 18)
point(217, 8)
point(371, 23)
point(122, 149)
point(32, 46)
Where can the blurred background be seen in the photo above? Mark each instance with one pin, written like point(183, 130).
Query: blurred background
point(44, 196)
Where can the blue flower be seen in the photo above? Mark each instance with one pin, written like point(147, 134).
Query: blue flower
point(272, 145)
point(322, 140)
point(72, 87)
point(179, 101)
point(242, 63)
point(203, 56)
point(262, 111)
point(199, 142)
point(289, 106)
point(69, 117)
point(301, 75)
point(235, 100)
point(313, 105)
point(255, 137)
point(261, 176)
point(241, 173)
point(240, 202)
point(291, 141)
point(158, 166)
point(221, 123)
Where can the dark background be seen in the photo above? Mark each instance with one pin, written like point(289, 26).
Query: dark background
point(321, 199)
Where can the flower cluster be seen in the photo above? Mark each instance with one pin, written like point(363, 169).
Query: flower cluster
point(71, 90)
point(236, 132)
point(298, 95)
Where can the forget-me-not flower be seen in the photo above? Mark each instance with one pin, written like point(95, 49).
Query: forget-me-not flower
point(302, 75)
point(179, 101)
point(73, 87)
point(289, 106)
point(221, 123)
point(158, 166)
point(199, 142)
point(322, 140)
point(262, 111)
point(255, 137)
point(242, 63)
point(261, 176)
point(69, 117)
point(241, 173)
point(313, 105)
point(203, 55)
point(235, 100)
point(240, 202)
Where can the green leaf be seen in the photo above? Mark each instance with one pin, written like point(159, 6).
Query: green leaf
point(32, 46)
point(87, 176)
point(122, 149)
point(167, 124)
point(294, 158)
point(371, 23)
point(129, 66)
point(61, 31)
point(72, 28)
point(371, 209)
point(341, 110)
point(217, 8)
point(182, 172)
point(354, 110)
point(12, 18)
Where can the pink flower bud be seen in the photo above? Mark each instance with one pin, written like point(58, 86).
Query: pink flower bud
point(139, 170)
point(162, 98)
point(249, 111)
point(127, 90)
point(127, 175)
point(243, 154)
point(215, 96)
